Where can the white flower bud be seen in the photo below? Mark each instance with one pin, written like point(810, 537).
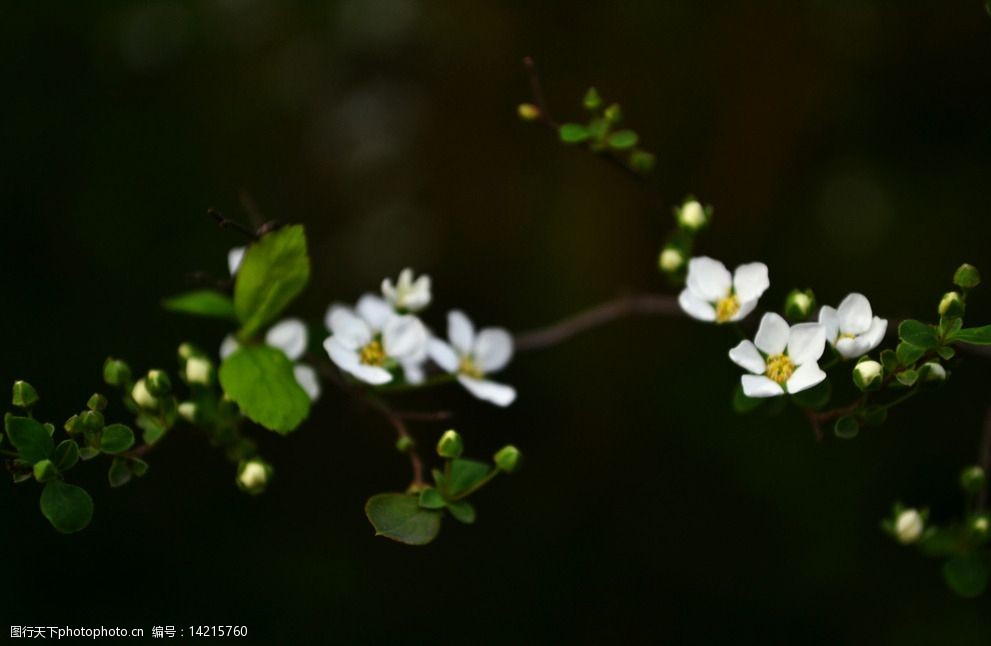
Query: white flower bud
point(692, 215)
point(198, 371)
point(933, 372)
point(866, 373)
point(142, 397)
point(187, 411)
point(253, 476)
point(908, 526)
point(671, 260)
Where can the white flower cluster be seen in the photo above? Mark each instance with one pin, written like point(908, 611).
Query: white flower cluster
point(781, 358)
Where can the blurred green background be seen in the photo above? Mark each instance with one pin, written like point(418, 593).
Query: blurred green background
point(844, 143)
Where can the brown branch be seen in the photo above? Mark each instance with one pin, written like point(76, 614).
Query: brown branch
point(416, 462)
point(226, 223)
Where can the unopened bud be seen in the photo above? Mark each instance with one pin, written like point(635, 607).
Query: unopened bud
point(951, 305)
point(405, 444)
point(933, 372)
point(908, 526)
point(97, 402)
point(799, 304)
point(972, 479)
point(450, 445)
point(967, 276)
point(45, 470)
point(508, 458)
point(187, 411)
point(671, 260)
point(92, 420)
point(980, 526)
point(592, 101)
point(692, 216)
point(613, 114)
point(198, 371)
point(142, 396)
point(187, 351)
point(116, 372)
point(158, 383)
point(24, 395)
point(867, 374)
point(253, 476)
point(528, 112)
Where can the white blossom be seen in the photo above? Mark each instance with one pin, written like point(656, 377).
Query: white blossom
point(407, 295)
point(713, 294)
point(909, 526)
point(852, 328)
point(291, 337)
point(472, 357)
point(780, 359)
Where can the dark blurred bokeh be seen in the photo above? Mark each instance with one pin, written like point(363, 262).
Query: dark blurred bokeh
point(844, 143)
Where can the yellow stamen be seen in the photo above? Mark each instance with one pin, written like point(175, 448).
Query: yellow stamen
point(468, 368)
point(726, 308)
point(779, 368)
point(372, 354)
point(846, 335)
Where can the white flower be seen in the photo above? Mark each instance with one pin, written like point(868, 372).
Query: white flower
point(712, 294)
point(472, 356)
point(371, 339)
point(671, 260)
point(908, 526)
point(691, 215)
point(781, 359)
point(852, 328)
point(234, 258)
point(407, 295)
point(290, 336)
point(142, 396)
point(198, 370)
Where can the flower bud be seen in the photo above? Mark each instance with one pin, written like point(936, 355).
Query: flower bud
point(45, 471)
point(198, 371)
point(158, 383)
point(967, 276)
point(528, 112)
point(951, 305)
point(671, 260)
point(933, 372)
point(142, 396)
point(97, 402)
point(867, 374)
point(508, 458)
point(24, 396)
point(405, 444)
point(908, 526)
point(450, 445)
point(980, 526)
point(972, 479)
point(92, 420)
point(799, 304)
point(642, 161)
point(187, 411)
point(692, 216)
point(253, 476)
point(188, 351)
point(592, 100)
point(613, 114)
point(116, 372)
point(73, 425)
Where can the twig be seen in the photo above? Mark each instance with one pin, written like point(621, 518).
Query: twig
point(226, 223)
point(416, 462)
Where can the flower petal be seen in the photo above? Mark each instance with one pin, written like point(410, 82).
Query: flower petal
point(806, 342)
point(746, 307)
point(746, 355)
point(228, 346)
point(875, 334)
point(695, 307)
point(288, 335)
point(708, 278)
point(460, 331)
point(855, 314)
point(306, 377)
point(234, 258)
point(807, 376)
point(759, 386)
point(493, 349)
point(413, 372)
point(829, 320)
point(772, 335)
point(374, 310)
point(443, 355)
point(350, 331)
point(750, 281)
point(490, 391)
point(851, 348)
point(404, 337)
point(347, 360)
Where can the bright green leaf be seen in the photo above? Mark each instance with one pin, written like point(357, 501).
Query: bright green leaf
point(30, 437)
point(119, 473)
point(908, 354)
point(116, 438)
point(573, 133)
point(462, 510)
point(260, 380)
point(918, 333)
point(967, 575)
point(974, 335)
point(907, 377)
point(465, 475)
point(67, 507)
point(399, 516)
point(203, 302)
point(623, 139)
point(430, 498)
point(274, 271)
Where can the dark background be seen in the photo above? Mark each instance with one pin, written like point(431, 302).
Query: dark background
point(844, 143)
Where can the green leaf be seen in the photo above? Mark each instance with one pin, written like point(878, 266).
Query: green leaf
point(202, 302)
point(974, 335)
point(907, 377)
point(465, 474)
point(66, 455)
point(399, 516)
point(918, 333)
point(30, 437)
point(573, 133)
point(946, 352)
point(260, 380)
point(623, 139)
point(592, 100)
point(119, 473)
point(743, 404)
point(967, 575)
point(966, 275)
point(846, 427)
point(67, 507)
point(462, 510)
point(908, 354)
point(274, 271)
point(874, 415)
point(116, 438)
point(430, 498)
point(889, 360)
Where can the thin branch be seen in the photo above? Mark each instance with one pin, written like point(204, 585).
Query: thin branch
point(416, 462)
point(226, 223)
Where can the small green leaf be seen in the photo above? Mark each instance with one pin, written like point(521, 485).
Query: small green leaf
point(974, 335)
point(946, 352)
point(874, 415)
point(889, 360)
point(430, 498)
point(846, 427)
point(88, 453)
point(203, 302)
point(573, 133)
point(116, 438)
point(399, 516)
point(743, 404)
point(908, 354)
point(30, 437)
point(967, 575)
point(462, 510)
point(66, 455)
point(67, 507)
point(623, 139)
point(597, 128)
point(119, 473)
point(592, 100)
point(465, 475)
point(918, 333)
point(966, 275)
point(260, 380)
point(138, 466)
point(907, 377)
point(45, 471)
point(274, 271)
